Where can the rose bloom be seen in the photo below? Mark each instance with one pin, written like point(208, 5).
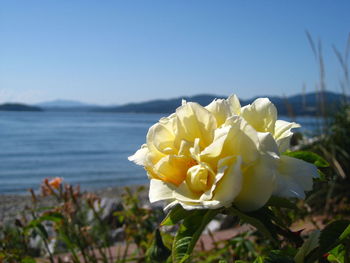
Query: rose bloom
point(222, 154)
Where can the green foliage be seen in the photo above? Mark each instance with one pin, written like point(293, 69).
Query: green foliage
point(158, 252)
point(338, 139)
point(28, 260)
point(309, 157)
point(337, 254)
point(241, 248)
point(268, 224)
point(138, 222)
point(278, 256)
point(262, 226)
point(259, 260)
point(75, 221)
point(14, 245)
point(175, 215)
point(334, 234)
point(334, 145)
point(280, 202)
point(189, 232)
point(308, 246)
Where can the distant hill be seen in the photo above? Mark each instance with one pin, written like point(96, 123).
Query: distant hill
point(66, 105)
point(18, 107)
point(294, 105)
point(160, 106)
point(62, 104)
point(307, 104)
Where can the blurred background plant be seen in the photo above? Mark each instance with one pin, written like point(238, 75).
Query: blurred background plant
point(331, 196)
point(81, 224)
point(76, 228)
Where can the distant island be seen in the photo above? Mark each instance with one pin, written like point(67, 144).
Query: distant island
point(18, 107)
point(63, 104)
point(300, 104)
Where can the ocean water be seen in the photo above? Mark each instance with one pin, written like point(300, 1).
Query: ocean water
point(89, 149)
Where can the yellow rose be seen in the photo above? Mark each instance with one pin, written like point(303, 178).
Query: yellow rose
point(293, 176)
point(218, 155)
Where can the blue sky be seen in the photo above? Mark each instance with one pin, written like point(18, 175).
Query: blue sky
point(114, 52)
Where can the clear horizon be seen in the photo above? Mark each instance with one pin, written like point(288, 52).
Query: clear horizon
point(120, 52)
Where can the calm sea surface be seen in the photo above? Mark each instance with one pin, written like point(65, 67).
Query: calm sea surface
point(89, 149)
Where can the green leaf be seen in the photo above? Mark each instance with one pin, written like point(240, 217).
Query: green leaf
point(277, 256)
point(68, 242)
point(281, 202)
point(331, 236)
point(54, 217)
point(28, 260)
point(322, 175)
point(255, 220)
point(158, 252)
point(189, 233)
point(175, 215)
point(259, 259)
point(308, 246)
point(333, 233)
point(71, 245)
point(42, 230)
point(346, 233)
point(267, 223)
point(337, 254)
point(309, 157)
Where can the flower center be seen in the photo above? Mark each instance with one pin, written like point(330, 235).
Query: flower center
point(197, 178)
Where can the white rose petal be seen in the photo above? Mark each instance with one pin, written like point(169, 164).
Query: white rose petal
point(294, 177)
point(261, 114)
point(283, 134)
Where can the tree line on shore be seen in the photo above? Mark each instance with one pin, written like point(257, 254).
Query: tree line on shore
point(296, 105)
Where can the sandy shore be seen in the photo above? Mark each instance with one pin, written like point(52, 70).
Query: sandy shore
point(11, 206)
